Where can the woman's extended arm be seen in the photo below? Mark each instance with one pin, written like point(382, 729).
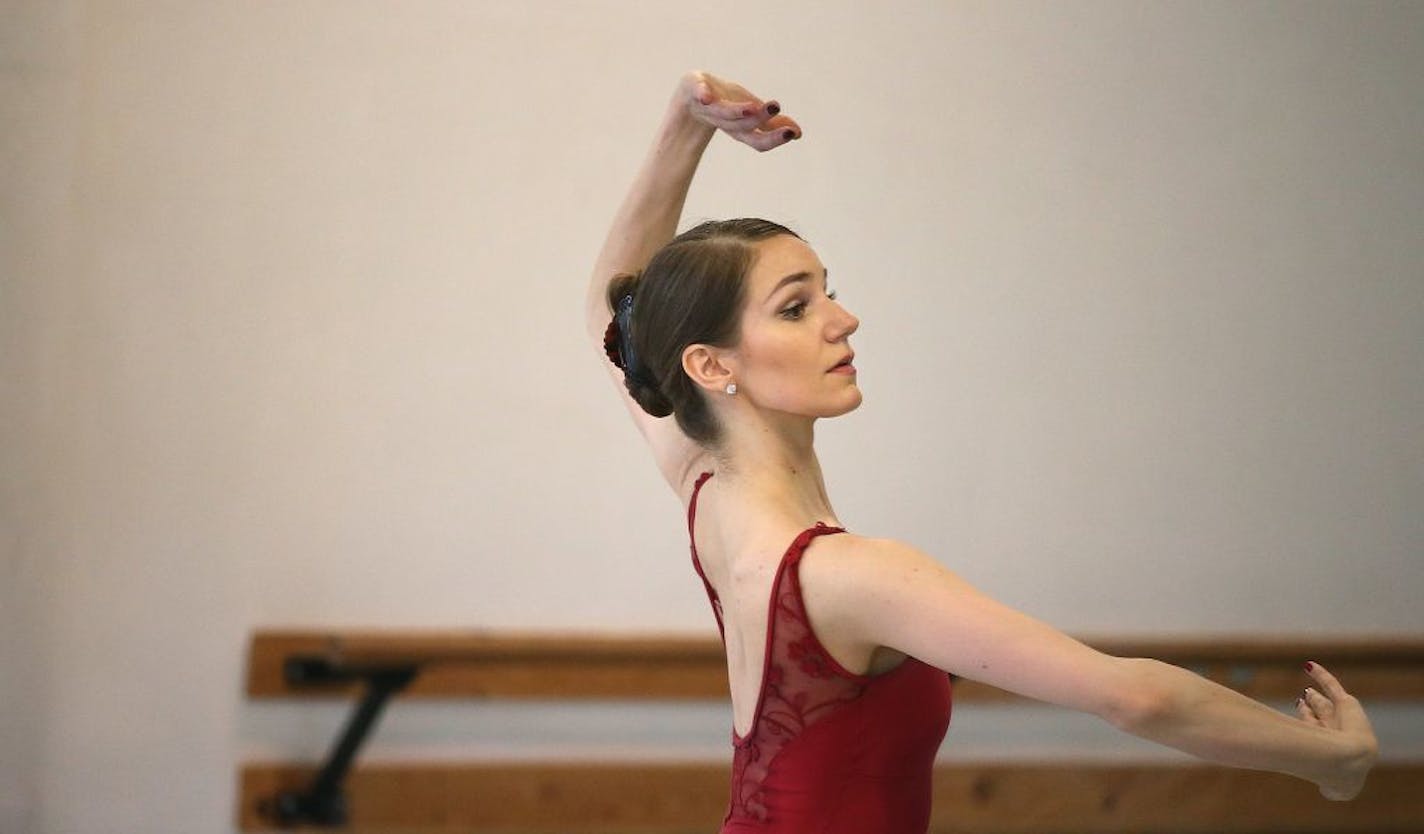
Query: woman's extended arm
point(884, 593)
point(701, 105)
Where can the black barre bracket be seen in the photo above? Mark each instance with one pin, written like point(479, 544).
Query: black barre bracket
point(323, 803)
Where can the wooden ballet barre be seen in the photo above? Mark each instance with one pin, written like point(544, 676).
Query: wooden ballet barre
point(456, 665)
point(484, 665)
point(669, 797)
point(973, 798)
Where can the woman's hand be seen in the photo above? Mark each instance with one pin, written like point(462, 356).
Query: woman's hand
point(1332, 708)
point(732, 109)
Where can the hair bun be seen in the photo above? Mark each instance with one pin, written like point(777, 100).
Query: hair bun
point(647, 395)
point(642, 385)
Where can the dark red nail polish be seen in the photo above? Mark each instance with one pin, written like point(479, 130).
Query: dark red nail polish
point(788, 134)
point(1309, 666)
point(773, 108)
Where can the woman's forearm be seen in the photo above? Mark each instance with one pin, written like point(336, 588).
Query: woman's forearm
point(1220, 725)
point(648, 216)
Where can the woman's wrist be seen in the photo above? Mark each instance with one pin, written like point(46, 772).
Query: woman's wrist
point(1357, 756)
point(680, 128)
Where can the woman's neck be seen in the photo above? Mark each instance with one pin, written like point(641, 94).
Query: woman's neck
point(776, 468)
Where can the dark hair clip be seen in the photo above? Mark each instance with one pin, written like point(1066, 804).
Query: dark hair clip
point(618, 338)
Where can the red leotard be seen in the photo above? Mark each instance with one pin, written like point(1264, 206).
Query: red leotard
point(829, 751)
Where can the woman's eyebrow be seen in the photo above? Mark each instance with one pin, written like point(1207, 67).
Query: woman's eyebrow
point(791, 279)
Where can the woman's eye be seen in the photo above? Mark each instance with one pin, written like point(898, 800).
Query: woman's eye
point(795, 311)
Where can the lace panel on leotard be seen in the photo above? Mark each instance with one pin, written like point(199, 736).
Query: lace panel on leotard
point(801, 682)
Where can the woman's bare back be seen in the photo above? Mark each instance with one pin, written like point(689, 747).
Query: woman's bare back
point(740, 553)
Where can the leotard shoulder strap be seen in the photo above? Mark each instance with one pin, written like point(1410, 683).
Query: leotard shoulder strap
point(696, 564)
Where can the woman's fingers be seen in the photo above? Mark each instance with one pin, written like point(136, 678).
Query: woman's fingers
point(1328, 684)
point(773, 133)
point(719, 101)
point(1306, 714)
point(1322, 706)
point(765, 140)
point(1338, 707)
point(735, 110)
point(738, 112)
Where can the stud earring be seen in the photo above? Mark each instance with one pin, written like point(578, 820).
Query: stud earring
point(732, 388)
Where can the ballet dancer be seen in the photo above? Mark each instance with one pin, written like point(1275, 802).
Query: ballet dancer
point(841, 648)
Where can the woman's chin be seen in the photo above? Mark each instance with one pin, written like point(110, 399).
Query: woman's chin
point(853, 400)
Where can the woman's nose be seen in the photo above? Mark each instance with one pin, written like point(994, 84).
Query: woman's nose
point(844, 324)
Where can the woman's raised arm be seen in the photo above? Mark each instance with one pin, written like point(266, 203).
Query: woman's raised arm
point(701, 105)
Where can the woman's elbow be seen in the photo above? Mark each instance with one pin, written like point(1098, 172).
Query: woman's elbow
point(1143, 696)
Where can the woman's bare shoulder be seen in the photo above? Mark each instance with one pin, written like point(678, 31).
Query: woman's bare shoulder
point(849, 556)
point(837, 572)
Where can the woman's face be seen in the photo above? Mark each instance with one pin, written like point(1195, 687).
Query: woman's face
point(794, 347)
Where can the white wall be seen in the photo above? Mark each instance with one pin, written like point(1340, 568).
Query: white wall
point(39, 112)
point(290, 317)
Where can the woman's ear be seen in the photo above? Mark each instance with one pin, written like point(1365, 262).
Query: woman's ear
point(709, 368)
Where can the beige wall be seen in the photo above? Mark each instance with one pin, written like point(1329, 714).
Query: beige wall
point(39, 112)
point(290, 319)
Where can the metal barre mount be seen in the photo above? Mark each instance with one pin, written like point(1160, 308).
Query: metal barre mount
point(323, 803)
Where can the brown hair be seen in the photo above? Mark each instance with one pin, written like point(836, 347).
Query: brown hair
point(690, 293)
